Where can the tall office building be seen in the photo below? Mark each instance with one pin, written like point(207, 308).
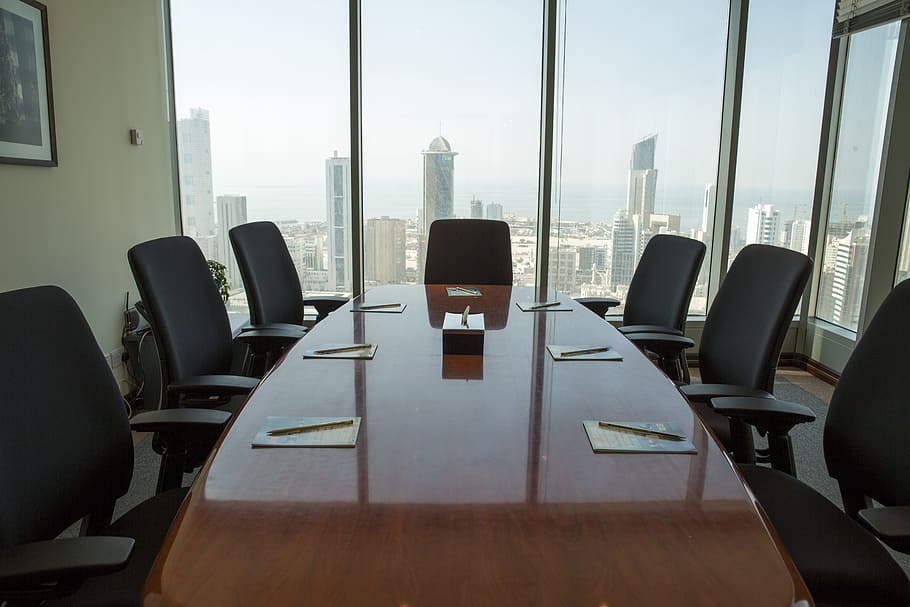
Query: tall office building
point(438, 192)
point(763, 225)
point(563, 263)
point(642, 188)
point(494, 211)
point(476, 208)
point(384, 251)
point(231, 212)
point(847, 283)
point(194, 155)
point(338, 222)
point(622, 265)
point(707, 212)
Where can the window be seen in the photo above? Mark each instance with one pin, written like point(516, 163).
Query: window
point(642, 99)
point(903, 260)
point(451, 122)
point(787, 47)
point(247, 149)
point(864, 107)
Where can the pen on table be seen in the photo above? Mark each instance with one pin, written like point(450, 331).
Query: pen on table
point(549, 304)
point(471, 291)
point(585, 351)
point(377, 306)
point(638, 430)
point(318, 426)
point(464, 316)
point(342, 349)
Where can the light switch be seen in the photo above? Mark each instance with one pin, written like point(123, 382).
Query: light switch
point(135, 136)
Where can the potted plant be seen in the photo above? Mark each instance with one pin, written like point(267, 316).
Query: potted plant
point(219, 275)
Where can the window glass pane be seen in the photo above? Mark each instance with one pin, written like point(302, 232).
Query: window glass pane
point(262, 106)
point(864, 108)
point(903, 262)
point(787, 48)
point(641, 110)
point(451, 123)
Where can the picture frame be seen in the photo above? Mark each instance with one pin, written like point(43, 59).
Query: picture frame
point(27, 131)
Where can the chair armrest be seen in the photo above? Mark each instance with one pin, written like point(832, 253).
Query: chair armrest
point(325, 304)
point(628, 329)
point(777, 416)
point(260, 338)
point(214, 384)
point(276, 326)
point(703, 393)
point(188, 420)
point(41, 570)
point(598, 305)
point(890, 524)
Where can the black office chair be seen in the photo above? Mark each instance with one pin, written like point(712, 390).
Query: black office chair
point(867, 452)
point(192, 331)
point(270, 279)
point(742, 339)
point(468, 251)
point(659, 295)
point(66, 454)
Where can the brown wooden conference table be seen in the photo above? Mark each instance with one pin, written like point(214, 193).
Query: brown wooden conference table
point(472, 481)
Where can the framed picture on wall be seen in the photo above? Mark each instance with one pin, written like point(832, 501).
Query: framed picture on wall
point(26, 103)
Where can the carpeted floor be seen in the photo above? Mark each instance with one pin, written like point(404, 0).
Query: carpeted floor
point(796, 386)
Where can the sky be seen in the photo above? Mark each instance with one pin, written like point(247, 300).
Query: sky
point(275, 80)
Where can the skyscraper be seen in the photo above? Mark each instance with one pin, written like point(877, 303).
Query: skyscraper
point(763, 225)
point(384, 252)
point(231, 212)
point(476, 208)
point(438, 192)
point(338, 220)
point(622, 264)
point(494, 211)
point(194, 154)
point(642, 178)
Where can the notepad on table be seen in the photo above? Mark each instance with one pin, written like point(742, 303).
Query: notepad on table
point(326, 436)
point(618, 440)
point(463, 292)
point(588, 352)
point(355, 351)
point(543, 306)
point(379, 308)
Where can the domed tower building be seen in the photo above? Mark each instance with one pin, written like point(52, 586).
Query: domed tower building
point(438, 190)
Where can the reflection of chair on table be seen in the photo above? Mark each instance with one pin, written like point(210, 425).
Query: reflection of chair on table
point(493, 304)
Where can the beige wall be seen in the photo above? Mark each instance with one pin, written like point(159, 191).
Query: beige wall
point(71, 225)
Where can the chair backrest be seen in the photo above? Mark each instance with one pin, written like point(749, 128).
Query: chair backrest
point(866, 447)
point(187, 314)
point(468, 251)
point(65, 445)
point(746, 325)
point(664, 281)
point(269, 276)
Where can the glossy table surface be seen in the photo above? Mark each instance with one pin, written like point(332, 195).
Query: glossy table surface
point(472, 481)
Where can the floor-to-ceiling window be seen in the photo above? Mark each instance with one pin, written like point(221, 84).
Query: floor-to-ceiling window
point(861, 130)
point(787, 48)
point(451, 122)
point(641, 100)
point(261, 98)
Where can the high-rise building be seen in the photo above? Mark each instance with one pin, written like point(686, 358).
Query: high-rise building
point(384, 251)
point(642, 188)
point(763, 225)
point(494, 211)
point(231, 212)
point(476, 208)
point(799, 235)
point(338, 220)
point(707, 212)
point(622, 264)
point(438, 192)
point(563, 268)
point(847, 283)
point(194, 156)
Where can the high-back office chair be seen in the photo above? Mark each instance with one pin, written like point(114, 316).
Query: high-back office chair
point(66, 454)
point(742, 336)
point(659, 296)
point(468, 251)
point(867, 452)
point(270, 278)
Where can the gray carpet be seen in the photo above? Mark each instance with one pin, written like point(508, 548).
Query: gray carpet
point(807, 442)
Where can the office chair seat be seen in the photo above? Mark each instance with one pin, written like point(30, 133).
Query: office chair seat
point(841, 563)
point(147, 523)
